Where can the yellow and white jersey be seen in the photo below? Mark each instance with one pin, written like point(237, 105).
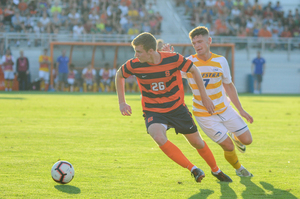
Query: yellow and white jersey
point(215, 72)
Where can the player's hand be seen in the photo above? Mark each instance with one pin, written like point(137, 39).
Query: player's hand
point(125, 109)
point(167, 48)
point(246, 115)
point(209, 105)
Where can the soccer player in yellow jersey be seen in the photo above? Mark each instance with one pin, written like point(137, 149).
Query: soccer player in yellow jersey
point(217, 79)
point(45, 62)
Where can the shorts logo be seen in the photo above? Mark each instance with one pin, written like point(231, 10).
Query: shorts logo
point(150, 119)
point(218, 134)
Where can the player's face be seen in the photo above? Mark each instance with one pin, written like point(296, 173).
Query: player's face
point(201, 44)
point(141, 54)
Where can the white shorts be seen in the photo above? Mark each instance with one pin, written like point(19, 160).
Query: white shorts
point(9, 75)
point(71, 81)
point(217, 126)
point(44, 75)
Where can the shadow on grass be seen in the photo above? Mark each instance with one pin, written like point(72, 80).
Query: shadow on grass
point(12, 98)
point(277, 193)
point(68, 189)
point(227, 191)
point(204, 193)
point(252, 190)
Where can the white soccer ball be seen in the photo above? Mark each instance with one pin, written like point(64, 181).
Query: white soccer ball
point(62, 172)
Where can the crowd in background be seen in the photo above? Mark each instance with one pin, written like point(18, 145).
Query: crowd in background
point(66, 76)
point(80, 16)
point(242, 18)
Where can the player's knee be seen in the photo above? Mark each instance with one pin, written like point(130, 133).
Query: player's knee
point(247, 141)
point(227, 145)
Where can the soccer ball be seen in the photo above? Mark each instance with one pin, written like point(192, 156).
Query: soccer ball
point(62, 172)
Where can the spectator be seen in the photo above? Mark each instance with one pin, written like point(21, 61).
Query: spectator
point(100, 27)
point(134, 31)
point(88, 26)
point(32, 8)
point(74, 18)
point(22, 6)
point(112, 75)
point(105, 78)
point(45, 21)
point(45, 62)
point(78, 31)
point(8, 14)
point(258, 70)
point(131, 84)
point(239, 4)
point(89, 78)
point(93, 17)
point(123, 7)
point(72, 77)
point(28, 23)
point(8, 62)
point(247, 4)
point(63, 70)
point(22, 71)
point(56, 8)
point(264, 32)
point(55, 22)
point(18, 22)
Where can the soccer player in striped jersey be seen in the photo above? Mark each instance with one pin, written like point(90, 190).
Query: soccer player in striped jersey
point(217, 79)
point(159, 79)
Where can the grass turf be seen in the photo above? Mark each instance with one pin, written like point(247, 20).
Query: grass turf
point(114, 157)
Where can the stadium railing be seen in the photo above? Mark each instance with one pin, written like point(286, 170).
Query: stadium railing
point(247, 43)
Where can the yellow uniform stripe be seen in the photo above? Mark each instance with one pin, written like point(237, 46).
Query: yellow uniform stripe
point(206, 114)
point(212, 97)
point(209, 86)
point(217, 107)
point(211, 63)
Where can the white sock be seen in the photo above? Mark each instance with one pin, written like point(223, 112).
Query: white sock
point(217, 171)
point(241, 168)
point(194, 167)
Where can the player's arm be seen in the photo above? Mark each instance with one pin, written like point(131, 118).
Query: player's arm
point(120, 88)
point(232, 94)
point(209, 105)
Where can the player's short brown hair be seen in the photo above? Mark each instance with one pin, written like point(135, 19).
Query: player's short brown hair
point(200, 30)
point(146, 39)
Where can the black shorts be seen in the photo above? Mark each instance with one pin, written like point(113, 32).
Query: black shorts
point(258, 77)
point(180, 118)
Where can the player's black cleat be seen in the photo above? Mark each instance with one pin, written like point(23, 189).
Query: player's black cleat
point(198, 174)
point(222, 177)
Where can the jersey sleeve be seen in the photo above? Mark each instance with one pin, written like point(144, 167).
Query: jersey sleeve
point(101, 72)
point(126, 69)
point(185, 64)
point(40, 58)
point(94, 72)
point(84, 71)
point(226, 72)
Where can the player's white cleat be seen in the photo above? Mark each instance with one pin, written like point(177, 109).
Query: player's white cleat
point(238, 144)
point(243, 173)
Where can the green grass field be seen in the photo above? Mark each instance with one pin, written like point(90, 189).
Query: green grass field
point(114, 157)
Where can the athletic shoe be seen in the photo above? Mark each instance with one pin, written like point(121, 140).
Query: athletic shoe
point(238, 144)
point(243, 173)
point(198, 174)
point(222, 177)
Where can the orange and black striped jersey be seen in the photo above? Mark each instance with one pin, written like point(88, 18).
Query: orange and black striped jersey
point(160, 84)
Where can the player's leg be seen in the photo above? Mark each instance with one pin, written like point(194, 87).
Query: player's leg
point(46, 78)
point(239, 130)
point(156, 127)
point(6, 79)
point(183, 123)
point(11, 80)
